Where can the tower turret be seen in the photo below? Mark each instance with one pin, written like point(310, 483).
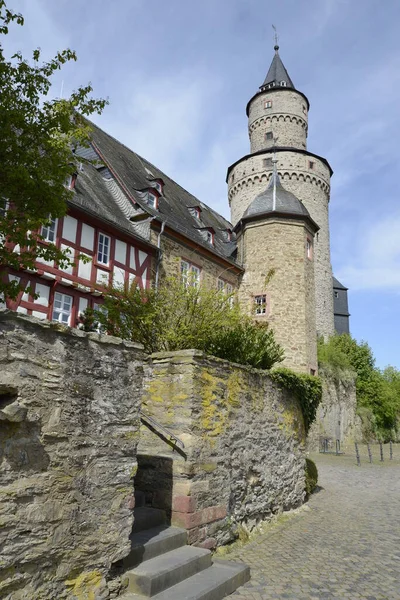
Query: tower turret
point(277, 111)
point(278, 123)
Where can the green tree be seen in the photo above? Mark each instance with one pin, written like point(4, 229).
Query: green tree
point(37, 135)
point(178, 316)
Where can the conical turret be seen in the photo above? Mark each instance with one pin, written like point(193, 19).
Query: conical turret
point(277, 75)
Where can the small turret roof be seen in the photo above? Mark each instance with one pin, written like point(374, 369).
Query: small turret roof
point(277, 73)
point(285, 202)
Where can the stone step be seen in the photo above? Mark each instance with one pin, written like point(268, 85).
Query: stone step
point(216, 582)
point(140, 498)
point(150, 543)
point(145, 517)
point(157, 574)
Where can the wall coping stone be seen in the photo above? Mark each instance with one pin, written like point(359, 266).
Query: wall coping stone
point(9, 315)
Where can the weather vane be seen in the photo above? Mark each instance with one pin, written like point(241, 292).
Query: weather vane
point(275, 36)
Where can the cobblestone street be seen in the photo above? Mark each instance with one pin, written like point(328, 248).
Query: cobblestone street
point(346, 546)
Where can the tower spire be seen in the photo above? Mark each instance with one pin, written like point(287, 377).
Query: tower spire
point(277, 75)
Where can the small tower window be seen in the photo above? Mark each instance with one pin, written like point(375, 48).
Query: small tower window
point(268, 104)
point(269, 135)
point(309, 248)
point(336, 294)
point(260, 303)
point(267, 163)
point(311, 164)
point(283, 83)
point(304, 109)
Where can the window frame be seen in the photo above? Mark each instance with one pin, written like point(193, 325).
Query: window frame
point(187, 275)
point(263, 305)
point(48, 229)
point(152, 200)
point(309, 248)
point(98, 261)
point(62, 310)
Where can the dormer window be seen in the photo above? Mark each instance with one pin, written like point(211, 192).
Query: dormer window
point(283, 83)
point(229, 235)
point(158, 184)
point(195, 211)
point(210, 237)
point(152, 200)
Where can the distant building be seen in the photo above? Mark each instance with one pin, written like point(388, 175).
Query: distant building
point(340, 307)
point(138, 225)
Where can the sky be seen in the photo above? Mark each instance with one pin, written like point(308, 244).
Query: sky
point(179, 73)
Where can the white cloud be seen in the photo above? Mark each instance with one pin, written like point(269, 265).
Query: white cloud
point(375, 264)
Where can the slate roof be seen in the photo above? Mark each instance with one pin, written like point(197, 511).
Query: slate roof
point(136, 174)
point(285, 203)
point(337, 285)
point(277, 73)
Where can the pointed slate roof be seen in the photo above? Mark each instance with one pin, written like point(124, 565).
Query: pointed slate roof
point(285, 201)
point(277, 73)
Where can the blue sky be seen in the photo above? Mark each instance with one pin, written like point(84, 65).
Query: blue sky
point(179, 73)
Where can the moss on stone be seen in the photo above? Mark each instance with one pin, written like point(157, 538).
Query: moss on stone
point(85, 586)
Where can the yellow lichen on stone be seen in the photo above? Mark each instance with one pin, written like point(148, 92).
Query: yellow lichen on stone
point(85, 586)
point(214, 414)
point(291, 422)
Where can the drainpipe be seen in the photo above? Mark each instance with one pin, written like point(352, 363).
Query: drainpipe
point(159, 253)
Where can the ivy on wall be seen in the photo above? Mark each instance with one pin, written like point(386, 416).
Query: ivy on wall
point(306, 388)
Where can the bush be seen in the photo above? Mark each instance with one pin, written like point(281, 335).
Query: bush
point(311, 473)
point(179, 317)
point(306, 388)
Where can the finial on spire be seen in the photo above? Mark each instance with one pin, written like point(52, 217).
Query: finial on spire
point(276, 47)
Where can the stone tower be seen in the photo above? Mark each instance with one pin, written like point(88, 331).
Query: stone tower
point(278, 123)
point(277, 235)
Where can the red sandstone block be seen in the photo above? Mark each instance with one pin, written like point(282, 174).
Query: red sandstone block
point(131, 502)
point(208, 544)
point(184, 504)
point(196, 535)
point(201, 517)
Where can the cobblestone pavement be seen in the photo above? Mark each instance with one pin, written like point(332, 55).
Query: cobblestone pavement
point(346, 546)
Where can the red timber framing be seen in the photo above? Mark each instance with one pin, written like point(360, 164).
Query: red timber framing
point(128, 260)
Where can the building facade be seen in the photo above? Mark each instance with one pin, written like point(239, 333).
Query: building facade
point(136, 225)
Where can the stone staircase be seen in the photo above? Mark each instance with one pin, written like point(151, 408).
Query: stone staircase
point(163, 567)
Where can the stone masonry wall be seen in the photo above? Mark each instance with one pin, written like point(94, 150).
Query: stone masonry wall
point(243, 459)
point(280, 244)
point(211, 270)
point(311, 186)
point(69, 426)
point(336, 416)
point(286, 118)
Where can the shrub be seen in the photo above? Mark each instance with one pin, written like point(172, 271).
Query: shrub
point(311, 473)
point(306, 388)
point(179, 317)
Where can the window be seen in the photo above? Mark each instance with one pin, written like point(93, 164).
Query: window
point(158, 186)
point(3, 207)
point(304, 109)
point(48, 232)
point(283, 83)
point(312, 372)
point(268, 104)
point(152, 200)
point(210, 237)
point(103, 249)
point(311, 164)
point(221, 285)
point(260, 304)
point(269, 135)
point(190, 274)
point(309, 248)
point(336, 294)
point(62, 308)
point(267, 163)
point(195, 211)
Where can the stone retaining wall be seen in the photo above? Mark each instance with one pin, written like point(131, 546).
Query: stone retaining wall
point(244, 446)
point(336, 416)
point(69, 425)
